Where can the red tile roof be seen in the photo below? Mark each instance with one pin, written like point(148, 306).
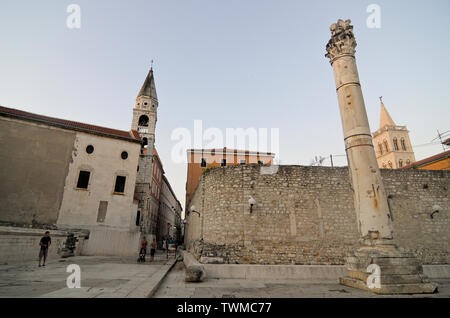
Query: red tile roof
point(68, 124)
point(428, 160)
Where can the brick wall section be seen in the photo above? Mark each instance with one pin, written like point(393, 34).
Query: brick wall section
point(305, 215)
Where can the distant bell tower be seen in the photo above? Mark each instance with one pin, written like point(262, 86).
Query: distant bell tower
point(144, 122)
point(145, 113)
point(392, 145)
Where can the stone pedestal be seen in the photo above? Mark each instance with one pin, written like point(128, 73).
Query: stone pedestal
point(400, 271)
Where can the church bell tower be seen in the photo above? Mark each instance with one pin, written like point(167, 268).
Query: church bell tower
point(145, 114)
point(144, 122)
point(392, 144)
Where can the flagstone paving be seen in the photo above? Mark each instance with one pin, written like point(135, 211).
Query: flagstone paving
point(101, 276)
point(175, 286)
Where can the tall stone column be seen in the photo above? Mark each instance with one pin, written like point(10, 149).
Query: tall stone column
point(400, 271)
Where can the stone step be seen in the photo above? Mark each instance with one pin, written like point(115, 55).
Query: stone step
point(417, 288)
point(359, 263)
point(385, 261)
point(390, 270)
point(389, 279)
point(383, 254)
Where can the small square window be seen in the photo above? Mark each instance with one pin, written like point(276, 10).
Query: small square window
point(242, 161)
point(120, 184)
point(224, 162)
point(83, 179)
point(203, 163)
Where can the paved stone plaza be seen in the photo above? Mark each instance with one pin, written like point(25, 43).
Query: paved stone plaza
point(101, 276)
point(120, 277)
point(174, 286)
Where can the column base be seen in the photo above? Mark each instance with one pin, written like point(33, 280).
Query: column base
point(400, 271)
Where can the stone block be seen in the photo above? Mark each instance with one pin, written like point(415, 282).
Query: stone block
point(211, 260)
point(194, 273)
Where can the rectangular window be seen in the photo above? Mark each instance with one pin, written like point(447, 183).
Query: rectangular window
point(203, 164)
point(242, 162)
point(224, 162)
point(120, 184)
point(102, 208)
point(83, 179)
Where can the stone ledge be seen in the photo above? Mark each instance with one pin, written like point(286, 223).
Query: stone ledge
point(389, 289)
point(319, 272)
point(246, 271)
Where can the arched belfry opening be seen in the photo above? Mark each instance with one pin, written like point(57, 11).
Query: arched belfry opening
point(143, 120)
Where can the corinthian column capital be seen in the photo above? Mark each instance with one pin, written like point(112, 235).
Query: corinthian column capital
point(342, 40)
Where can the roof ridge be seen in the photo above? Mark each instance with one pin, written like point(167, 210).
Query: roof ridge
point(65, 123)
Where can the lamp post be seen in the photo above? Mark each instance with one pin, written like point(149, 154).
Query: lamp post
point(167, 240)
point(193, 210)
point(251, 203)
point(184, 231)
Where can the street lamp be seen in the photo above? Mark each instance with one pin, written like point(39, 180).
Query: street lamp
point(168, 235)
point(251, 203)
point(193, 210)
point(184, 231)
point(436, 208)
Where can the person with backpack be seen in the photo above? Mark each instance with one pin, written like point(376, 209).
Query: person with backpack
point(143, 250)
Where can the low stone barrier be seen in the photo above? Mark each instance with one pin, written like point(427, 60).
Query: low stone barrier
point(300, 272)
point(195, 272)
point(250, 271)
point(22, 244)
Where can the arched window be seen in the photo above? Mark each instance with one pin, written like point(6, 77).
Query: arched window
point(390, 164)
point(380, 148)
point(143, 120)
point(400, 163)
point(402, 141)
point(395, 143)
point(408, 161)
point(386, 148)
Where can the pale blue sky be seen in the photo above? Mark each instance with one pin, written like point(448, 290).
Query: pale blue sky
point(229, 63)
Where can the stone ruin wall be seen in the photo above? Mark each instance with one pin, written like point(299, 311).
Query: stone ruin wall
point(305, 215)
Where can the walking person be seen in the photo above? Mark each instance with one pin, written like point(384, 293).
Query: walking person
point(152, 250)
point(44, 244)
point(164, 246)
point(143, 250)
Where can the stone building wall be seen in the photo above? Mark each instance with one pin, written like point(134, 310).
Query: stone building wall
point(34, 162)
point(305, 215)
point(80, 207)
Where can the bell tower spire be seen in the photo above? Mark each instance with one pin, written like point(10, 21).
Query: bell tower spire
point(392, 144)
point(145, 113)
